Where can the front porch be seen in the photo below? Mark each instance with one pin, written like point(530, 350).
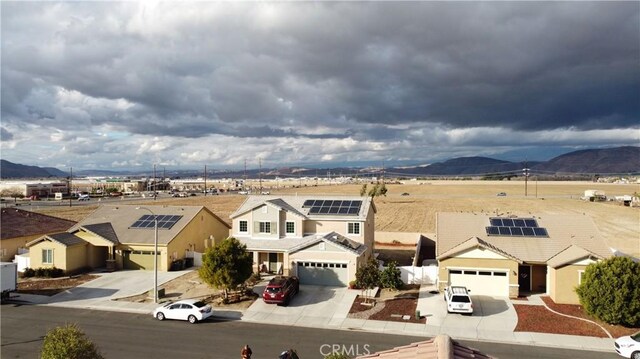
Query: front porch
point(269, 262)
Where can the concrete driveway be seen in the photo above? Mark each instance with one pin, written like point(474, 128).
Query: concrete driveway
point(313, 306)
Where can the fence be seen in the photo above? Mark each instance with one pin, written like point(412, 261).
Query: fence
point(197, 258)
point(419, 275)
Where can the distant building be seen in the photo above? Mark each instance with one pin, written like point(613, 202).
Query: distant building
point(34, 188)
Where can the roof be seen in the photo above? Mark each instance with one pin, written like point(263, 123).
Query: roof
point(564, 230)
point(333, 238)
point(121, 217)
point(294, 204)
point(20, 223)
point(571, 254)
point(440, 347)
point(64, 238)
point(476, 242)
point(104, 230)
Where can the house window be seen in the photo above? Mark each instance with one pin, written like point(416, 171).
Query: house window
point(291, 227)
point(3, 252)
point(265, 227)
point(243, 227)
point(353, 228)
point(47, 256)
point(580, 276)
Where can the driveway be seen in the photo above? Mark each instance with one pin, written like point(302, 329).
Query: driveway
point(313, 306)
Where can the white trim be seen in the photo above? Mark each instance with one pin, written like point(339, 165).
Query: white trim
point(580, 273)
point(507, 270)
point(247, 226)
point(359, 228)
point(293, 234)
point(296, 261)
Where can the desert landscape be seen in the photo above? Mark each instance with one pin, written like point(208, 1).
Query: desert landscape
point(416, 211)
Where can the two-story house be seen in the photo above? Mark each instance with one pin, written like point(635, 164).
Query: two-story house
point(320, 239)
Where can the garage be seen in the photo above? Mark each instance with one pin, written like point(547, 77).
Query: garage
point(323, 273)
point(138, 260)
point(481, 281)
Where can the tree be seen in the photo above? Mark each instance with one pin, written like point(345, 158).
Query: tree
point(380, 189)
point(226, 266)
point(610, 292)
point(391, 277)
point(368, 275)
point(68, 342)
point(363, 190)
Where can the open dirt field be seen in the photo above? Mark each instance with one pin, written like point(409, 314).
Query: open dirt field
point(415, 212)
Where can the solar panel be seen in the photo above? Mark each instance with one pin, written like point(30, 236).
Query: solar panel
point(308, 203)
point(516, 231)
point(507, 222)
point(164, 221)
point(531, 222)
point(496, 221)
point(540, 232)
point(335, 207)
point(493, 230)
point(515, 227)
point(519, 223)
point(526, 231)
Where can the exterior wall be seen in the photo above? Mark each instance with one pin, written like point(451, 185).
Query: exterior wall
point(195, 234)
point(507, 264)
point(59, 255)
point(10, 246)
point(564, 280)
point(96, 257)
point(76, 257)
point(265, 213)
point(288, 217)
point(329, 254)
point(538, 278)
point(235, 226)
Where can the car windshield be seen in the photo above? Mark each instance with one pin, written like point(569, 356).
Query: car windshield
point(636, 337)
point(460, 299)
point(199, 304)
point(273, 290)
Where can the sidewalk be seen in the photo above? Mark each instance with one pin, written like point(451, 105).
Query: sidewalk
point(328, 308)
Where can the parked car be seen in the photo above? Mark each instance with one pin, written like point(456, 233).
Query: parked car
point(243, 192)
point(189, 309)
point(629, 346)
point(502, 194)
point(405, 194)
point(281, 289)
point(84, 197)
point(458, 300)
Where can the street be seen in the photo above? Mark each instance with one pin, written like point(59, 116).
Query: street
point(123, 335)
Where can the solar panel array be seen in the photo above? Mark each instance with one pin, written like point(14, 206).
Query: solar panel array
point(333, 207)
point(164, 221)
point(515, 227)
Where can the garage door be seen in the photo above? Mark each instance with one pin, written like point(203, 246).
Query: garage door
point(481, 281)
point(138, 260)
point(321, 273)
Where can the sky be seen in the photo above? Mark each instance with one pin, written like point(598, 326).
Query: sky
point(125, 85)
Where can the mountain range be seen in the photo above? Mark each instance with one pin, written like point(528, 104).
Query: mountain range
point(618, 160)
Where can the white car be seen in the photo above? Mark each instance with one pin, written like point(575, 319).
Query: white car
point(629, 346)
point(458, 300)
point(189, 309)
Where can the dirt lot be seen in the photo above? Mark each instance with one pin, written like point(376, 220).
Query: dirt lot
point(49, 287)
point(390, 305)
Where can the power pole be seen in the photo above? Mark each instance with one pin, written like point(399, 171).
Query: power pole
point(244, 176)
point(525, 172)
point(382, 172)
point(155, 187)
point(70, 184)
point(260, 173)
point(205, 180)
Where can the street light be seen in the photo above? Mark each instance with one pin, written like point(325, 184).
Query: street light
point(155, 253)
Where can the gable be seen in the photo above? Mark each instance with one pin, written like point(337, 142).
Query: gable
point(480, 253)
point(323, 246)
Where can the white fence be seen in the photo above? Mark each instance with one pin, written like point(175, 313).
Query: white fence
point(419, 275)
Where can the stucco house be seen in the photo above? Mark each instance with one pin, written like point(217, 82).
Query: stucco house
point(19, 227)
point(122, 237)
point(320, 239)
point(509, 255)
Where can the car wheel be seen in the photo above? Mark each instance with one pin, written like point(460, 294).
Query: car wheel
point(192, 319)
point(160, 316)
point(635, 355)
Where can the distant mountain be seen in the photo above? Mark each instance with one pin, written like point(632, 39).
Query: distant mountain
point(596, 161)
point(15, 170)
point(463, 166)
point(99, 173)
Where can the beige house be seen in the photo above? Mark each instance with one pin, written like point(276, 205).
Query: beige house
point(122, 237)
point(19, 227)
point(322, 240)
point(513, 256)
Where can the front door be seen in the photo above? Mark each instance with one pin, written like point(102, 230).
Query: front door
point(273, 262)
point(524, 278)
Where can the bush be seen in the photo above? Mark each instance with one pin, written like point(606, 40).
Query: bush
point(68, 342)
point(391, 277)
point(40, 272)
point(29, 272)
point(337, 356)
point(610, 292)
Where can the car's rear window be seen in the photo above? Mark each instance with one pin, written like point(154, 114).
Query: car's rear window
point(199, 304)
point(460, 299)
point(273, 289)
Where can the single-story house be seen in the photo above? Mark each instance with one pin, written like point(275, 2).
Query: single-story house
point(441, 346)
point(322, 240)
point(123, 237)
point(19, 227)
point(509, 255)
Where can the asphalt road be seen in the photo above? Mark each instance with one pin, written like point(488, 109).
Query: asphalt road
point(122, 336)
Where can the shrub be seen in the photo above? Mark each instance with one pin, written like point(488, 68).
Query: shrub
point(40, 272)
point(337, 356)
point(610, 292)
point(29, 272)
point(68, 342)
point(391, 277)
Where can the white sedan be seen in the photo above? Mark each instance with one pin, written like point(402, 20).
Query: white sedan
point(629, 346)
point(190, 309)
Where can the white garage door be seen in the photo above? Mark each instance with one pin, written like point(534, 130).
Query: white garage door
point(321, 273)
point(481, 281)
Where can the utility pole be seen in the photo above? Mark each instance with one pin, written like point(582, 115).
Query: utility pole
point(525, 172)
point(260, 173)
point(70, 184)
point(155, 187)
point(244, 176)
point(205, 180)
point(382, 172)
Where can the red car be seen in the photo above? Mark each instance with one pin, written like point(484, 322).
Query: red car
point(281, 289)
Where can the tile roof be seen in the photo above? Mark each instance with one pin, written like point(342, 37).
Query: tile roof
point(440, 347)
point(452, 229)
point(295, 203)
point(473, 243)
point(334, 238)
point(569, 255)
point(104, 230)
point(20, 223)
point(67, 239)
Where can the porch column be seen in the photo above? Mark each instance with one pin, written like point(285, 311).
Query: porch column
point(256, 261)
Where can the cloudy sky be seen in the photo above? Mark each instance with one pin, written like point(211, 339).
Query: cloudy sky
point(108, 85)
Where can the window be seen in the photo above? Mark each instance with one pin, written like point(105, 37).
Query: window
point(290, 227)
point(580, 276)
point(243, 227)
point(265, 227)
point(499, 274)
point(47, 256)
point(353, 228)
